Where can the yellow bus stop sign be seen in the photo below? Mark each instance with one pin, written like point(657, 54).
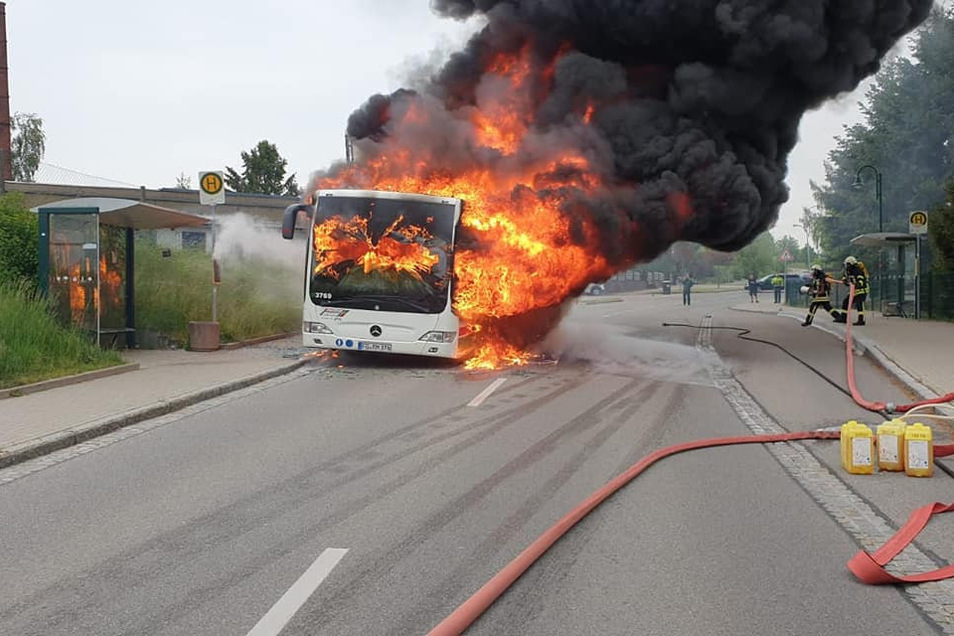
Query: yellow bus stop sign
point(211, 188)
point(918, 222)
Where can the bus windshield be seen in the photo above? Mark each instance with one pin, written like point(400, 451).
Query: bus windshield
point(382, 254)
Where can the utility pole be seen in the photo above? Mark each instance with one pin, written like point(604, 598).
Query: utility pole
point(349, 148)
point(6, 164)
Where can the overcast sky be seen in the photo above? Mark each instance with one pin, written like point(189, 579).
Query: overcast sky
point(141, 92)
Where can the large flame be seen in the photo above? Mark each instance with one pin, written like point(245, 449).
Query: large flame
point(81, 284)
point(520, 248)
point(338, 241)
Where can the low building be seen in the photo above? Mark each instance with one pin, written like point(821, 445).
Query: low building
point(265, 209)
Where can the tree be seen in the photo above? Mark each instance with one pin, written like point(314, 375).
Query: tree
point(907, 135)
point(941, 228)
point(27, 145)
point(184, 182)
point(758, 257)
point(18, 236)
point(263, 172)
point(789, 244)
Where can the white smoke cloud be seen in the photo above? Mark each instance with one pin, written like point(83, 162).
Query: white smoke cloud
point(614, 351)
point(242, 237)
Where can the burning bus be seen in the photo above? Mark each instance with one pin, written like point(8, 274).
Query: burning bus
point(380, 272)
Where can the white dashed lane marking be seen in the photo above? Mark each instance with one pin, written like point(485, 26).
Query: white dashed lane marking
point(291, 601)
point(483, 395)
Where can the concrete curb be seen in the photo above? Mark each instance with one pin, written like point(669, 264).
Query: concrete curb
point(602, 301)
point(63, 439)
point(231, 346)
point(863, 346)
point(66, 380)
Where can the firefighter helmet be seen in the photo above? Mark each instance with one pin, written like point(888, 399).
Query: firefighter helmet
point(850, 260)
point(816, 267)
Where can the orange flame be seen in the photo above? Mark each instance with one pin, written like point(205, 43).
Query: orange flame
point(77, 294)
point(338, 241)
point(111, 281)
point(588, 114)
point(529, 250)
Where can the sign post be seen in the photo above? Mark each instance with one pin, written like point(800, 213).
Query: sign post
point(212, 193)
point(785, 258)
point(918, 226)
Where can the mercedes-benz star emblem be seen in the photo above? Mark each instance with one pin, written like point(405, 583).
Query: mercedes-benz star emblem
point(375, 331)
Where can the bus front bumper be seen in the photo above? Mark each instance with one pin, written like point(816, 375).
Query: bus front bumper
point(415, 348)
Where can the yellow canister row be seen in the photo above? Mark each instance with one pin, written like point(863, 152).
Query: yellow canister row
point(900, 446)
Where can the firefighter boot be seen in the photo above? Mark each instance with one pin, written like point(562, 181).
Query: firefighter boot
point(859, 323)
point(808, 320)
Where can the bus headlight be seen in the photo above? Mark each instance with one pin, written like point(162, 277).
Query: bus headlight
point(438, 336)
point(315, 327)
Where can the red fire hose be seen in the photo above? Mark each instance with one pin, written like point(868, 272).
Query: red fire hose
point(850, 368)
point(867, 567)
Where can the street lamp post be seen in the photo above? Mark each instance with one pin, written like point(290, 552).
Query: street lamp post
point(857, 185)
point(808, 247)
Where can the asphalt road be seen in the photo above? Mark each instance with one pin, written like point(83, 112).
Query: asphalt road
point(202, 525)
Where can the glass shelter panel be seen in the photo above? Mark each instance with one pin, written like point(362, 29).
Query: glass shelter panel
point(112, 277)
point(74, 269)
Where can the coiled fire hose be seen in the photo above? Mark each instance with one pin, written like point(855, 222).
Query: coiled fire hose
point(867, 567)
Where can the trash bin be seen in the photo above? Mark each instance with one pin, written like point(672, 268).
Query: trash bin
point(203, 336)
point(666, 287)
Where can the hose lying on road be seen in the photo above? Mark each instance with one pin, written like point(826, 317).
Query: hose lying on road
point(850, 368)
point(867, 567)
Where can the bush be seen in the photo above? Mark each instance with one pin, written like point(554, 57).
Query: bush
point(256, 297)
point(34, 346)
point(18, 238)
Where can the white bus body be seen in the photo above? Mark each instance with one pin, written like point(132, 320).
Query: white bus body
point(357, 304)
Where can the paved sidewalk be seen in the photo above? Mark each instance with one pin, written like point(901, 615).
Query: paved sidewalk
point(920, 349)
point(165, 380)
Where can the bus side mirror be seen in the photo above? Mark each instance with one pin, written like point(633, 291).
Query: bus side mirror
point(291, 215)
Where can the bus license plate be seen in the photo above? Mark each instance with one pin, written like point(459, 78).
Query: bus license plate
point(375, 346)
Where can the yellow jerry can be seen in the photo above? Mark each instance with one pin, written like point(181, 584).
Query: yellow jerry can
point(891, 445)
point(857, 448)
point(918, 450)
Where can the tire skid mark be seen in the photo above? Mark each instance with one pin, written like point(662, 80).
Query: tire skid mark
point(525, 600)
point(191, 541)
point(459, 580)
point(381, 561)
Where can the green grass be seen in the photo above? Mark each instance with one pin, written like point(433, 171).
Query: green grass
point(256, 298)
point(35, 347)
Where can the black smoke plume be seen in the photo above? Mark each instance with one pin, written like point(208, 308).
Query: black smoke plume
point(694, 99)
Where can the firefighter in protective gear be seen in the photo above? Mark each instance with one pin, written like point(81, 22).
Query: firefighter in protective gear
point(778, 284)
point(820, 291)
point(855, 274)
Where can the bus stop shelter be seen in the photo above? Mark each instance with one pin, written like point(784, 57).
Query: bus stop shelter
point(87, 260)
point(899, 278)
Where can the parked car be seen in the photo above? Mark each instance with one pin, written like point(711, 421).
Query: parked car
point(765, 283)
point(595, 289)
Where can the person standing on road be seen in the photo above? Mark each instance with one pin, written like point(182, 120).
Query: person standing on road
point(820, 292)
point(753, 286)
point(855, 274)
point(687, 283)
point(778, 283)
